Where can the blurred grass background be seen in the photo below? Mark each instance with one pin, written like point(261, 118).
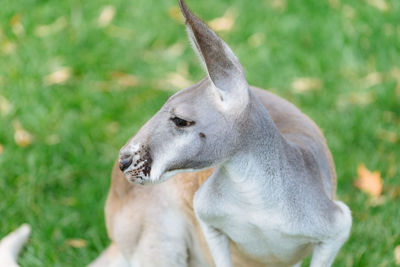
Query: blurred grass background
point(78, 78)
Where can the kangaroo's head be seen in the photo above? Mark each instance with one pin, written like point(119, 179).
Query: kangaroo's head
point(197, 127)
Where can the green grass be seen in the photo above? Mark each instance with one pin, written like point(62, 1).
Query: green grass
point(60, 187)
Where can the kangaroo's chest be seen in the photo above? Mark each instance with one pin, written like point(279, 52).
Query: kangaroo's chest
point(259, 230)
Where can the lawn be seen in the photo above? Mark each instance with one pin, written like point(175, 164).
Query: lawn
point(78, 78)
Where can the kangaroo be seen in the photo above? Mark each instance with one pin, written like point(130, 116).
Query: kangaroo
point(270, 200)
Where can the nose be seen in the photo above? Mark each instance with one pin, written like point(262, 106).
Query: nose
point(124, 162)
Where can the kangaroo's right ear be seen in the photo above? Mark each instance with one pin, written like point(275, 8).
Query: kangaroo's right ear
point(222, 66)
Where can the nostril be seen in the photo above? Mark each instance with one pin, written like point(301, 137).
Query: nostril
point(124, 163)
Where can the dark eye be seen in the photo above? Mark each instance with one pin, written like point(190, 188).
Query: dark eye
point(181, 122)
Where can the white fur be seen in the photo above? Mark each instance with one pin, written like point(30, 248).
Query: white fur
point(161, 161)
point(11, 245)
point(247, 212)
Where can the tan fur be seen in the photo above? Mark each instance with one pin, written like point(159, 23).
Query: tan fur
point(126, 201)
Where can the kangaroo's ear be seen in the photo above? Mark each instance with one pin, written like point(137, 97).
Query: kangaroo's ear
point(222, 66)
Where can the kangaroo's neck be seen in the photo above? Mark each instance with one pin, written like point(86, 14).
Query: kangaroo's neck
point(263, 152)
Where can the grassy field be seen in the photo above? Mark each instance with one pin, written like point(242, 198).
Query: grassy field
point(78, 78)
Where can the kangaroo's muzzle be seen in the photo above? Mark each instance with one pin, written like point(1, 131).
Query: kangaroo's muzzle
point(135, 162)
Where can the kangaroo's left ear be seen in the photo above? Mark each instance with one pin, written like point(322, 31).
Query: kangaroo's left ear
point(222, 66)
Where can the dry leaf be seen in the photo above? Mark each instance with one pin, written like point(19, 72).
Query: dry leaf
point(1, 149)
point(16, 25)
point(334, 3)
point(348, 12)
point(58, 77)
point(52, 139)
point(395, 73)
point(301, 85)
point(379, 4)
point(106, 16)
point(175, 13)
point(397, 255)
point(389, 116)
point(372, 79)
point(178, 80)
point(113, 127)
point(5, 106)
point(77, 243)
point(175, 80)
point(355, 98)
point(224, 23)
point(387, 135)
point(22, 137)
point(256, 39)
point(361, 98)
point(174, 50)
point(376, 201)
point(369, 182)
point(278, 4)
point(124, 80)
point(8, 47)
point(55, 27)
point(119, 32)
point(393, 192)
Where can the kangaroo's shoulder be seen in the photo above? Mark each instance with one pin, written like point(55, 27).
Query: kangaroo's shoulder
point(297, 128)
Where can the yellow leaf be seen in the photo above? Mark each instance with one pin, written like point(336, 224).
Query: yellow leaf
point(334, 3)
point(8, 47)
point(395, 73)
point(77, 243)
point(175, 13)
point(387, 135)
point(397, 254)
point(174, 50)
point(361, 98)
point(119, 32)
point(373, 78)
point(224, 23)
point(124, 80)
point(178, 80)
point(22, 137)
point(106, 16)
point(305, 84)
point(58, 77)
point(5, 106)
point(52, 139)
point(16, 25)
point(369, 182)
point(256, 39)
point(278, 4)
point(112, 127)
point(348, 12)
point(377, 201)
point(53, 28)
point(379, 4)
point(1, 149)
